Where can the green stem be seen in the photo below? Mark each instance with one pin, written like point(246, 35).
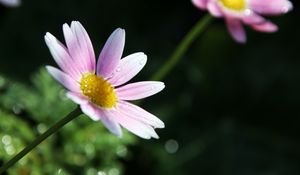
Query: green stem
point(182, 47)
point(72, 115)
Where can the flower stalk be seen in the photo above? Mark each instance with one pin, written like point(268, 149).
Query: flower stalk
point(185, 43)
point(72, 115)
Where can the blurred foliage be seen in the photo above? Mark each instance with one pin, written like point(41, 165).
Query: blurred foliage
point(81, 147)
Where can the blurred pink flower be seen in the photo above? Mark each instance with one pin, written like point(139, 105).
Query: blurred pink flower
point(248, 12)
point(11, 3)
point(99, 89)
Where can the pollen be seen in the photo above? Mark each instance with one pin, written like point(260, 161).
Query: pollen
point(237, 5)
point(98, 90)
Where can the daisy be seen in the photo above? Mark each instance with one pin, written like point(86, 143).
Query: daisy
point(99, 88)
point(239, 12)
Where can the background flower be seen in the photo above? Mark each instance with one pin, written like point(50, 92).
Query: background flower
point(239, 12)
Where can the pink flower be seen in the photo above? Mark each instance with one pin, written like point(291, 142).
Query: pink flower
point(99, 89)
point(248, 12)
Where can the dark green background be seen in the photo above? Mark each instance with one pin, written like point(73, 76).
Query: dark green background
point(233, 109)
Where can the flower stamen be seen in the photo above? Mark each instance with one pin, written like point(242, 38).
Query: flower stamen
point(237, 5)
point(98, 90)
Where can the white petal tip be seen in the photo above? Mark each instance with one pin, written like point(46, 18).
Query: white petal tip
point(159, 86)
point(154, 135)
point(76, 24)
point(65, 26)
point(49, 37)
point(142, 58)
point(160, 125)
point(48, 67)
point(119, 31)
point(288, 7)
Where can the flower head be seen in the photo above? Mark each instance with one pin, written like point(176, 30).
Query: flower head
point(238, 12)
point(99, 89)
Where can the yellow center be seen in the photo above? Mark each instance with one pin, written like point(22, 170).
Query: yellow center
point(98, 90)
point(238, 5)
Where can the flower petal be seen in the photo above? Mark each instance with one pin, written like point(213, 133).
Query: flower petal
point(252, 18)
point(128, 68)
point(111, 124)
point(91, 111)
point(105, 116)
point(64, 79)
point(140, 114)
point(202, 4)
point(11, 3)
point(135, 126)
point(139, 90)
point(77, 98)
point(85, 44)
point(265, 27)
point(111, 53)
point(214, 9)
point(271, 7)
point(236, 29)
point(62, 57)
point(78, 57)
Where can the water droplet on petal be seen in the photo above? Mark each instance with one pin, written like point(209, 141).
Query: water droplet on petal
point(248, 12)
point(118, 69)
point(112, 75)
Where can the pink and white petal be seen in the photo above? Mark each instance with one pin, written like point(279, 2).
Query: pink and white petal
point(236, 29)
point(111, 53)
point(110, 122)
point(271, 7)
point(91, 111)
point(202, 4)
point(61, 56)
point(252, 18)
point(86, 46)
point(77, 98)
point(214, 9)
point(74, 49)
point(11, 3)
point(140, 114)
point(139, 90)
point(267, 27)
point(128, 68)
point(135, 126)
point(106, 117)
point(64, 79)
